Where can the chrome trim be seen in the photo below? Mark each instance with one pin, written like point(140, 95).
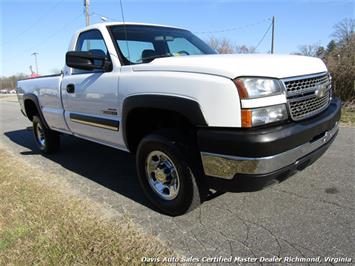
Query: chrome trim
point(304, 91)
point(316, 111)
point(162, 175)
point(225, 166)
point(306, 97)
point(40, 137)
point(304, 76)
point(292, 96)
point(93, 124)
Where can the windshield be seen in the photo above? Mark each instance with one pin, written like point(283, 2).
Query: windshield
point(138, 44)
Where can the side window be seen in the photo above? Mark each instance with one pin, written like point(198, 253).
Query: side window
point(182, 46)
point(137, 50)
point(91, 40)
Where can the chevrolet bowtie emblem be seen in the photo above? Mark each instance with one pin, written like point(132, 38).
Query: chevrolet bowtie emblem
point(320, 90)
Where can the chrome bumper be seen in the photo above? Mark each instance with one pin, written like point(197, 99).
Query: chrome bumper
point(225, 166)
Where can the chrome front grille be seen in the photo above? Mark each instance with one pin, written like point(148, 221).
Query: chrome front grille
point(308, 95)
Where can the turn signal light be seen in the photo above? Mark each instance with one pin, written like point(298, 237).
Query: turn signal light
point(247, 118)
point(243, 92)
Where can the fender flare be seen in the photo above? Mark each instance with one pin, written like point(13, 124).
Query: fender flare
point(185, 107)
point(32, 97)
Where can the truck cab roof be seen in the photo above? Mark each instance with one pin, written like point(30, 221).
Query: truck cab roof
point(117, 23)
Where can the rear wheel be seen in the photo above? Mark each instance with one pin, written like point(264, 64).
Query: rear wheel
point(167, 174)
point(48, 141)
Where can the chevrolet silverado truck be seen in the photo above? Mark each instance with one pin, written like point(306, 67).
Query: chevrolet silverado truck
point(196, 120)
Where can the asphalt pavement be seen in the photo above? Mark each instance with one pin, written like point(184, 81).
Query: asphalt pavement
point(310, 214)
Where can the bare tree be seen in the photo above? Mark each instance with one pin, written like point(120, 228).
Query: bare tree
point(10, 82)
point(225, 46)
point(308, 50)
point(340, 60)
point(341, 65)
point(222, 46)
point(344, 31)
point(213, 42)
point(243, 49)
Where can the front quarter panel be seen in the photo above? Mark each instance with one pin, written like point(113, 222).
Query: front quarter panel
point(217, 96)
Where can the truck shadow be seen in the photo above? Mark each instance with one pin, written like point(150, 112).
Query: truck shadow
point(109, 167)
point(106, 166)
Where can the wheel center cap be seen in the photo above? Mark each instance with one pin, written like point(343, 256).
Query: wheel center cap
point(160, 175)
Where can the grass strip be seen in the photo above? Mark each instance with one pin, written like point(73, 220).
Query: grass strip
point(42, 225)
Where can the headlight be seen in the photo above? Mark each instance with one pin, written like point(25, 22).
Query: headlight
point(264, 115)
point(257, 87)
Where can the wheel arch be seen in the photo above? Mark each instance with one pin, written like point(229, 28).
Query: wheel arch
point(178, 107)
point(32, 108)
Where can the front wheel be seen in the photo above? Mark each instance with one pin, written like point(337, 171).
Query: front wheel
point(166, 175)
point(48, 141)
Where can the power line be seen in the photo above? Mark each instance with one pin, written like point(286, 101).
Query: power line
point(45, 40)
point(52, 8)
point(234, 28)
point(262, 38)
point(56, 32)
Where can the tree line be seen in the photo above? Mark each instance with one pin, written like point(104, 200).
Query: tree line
point(10, 82)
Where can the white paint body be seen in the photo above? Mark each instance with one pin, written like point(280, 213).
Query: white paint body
point(206, 79)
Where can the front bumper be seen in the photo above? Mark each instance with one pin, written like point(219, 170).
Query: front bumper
point(267, 152)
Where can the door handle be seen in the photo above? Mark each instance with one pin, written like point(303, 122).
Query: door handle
point(70, 88)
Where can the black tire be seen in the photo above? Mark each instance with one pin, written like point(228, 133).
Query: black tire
point(47, 141)
point(190, 193)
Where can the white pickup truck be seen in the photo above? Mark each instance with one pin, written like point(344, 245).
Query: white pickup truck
point(195, 119)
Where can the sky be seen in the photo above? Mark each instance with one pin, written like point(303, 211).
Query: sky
point(46, 26)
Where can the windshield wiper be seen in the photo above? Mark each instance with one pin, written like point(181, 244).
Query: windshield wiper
point(151, 58)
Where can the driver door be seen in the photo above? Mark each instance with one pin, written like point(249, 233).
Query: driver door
point(90, 98)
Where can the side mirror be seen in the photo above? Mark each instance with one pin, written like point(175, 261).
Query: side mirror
point(90, 60)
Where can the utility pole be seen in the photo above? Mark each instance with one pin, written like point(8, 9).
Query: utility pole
point(36, 64)
point(87, 15)
point(273, 35)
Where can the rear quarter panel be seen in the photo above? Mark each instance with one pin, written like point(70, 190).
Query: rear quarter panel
point(47, 90)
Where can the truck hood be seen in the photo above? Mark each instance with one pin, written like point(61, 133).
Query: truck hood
point(233, 65)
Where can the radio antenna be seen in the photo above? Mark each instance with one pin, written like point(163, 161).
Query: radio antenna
point(125, 30)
